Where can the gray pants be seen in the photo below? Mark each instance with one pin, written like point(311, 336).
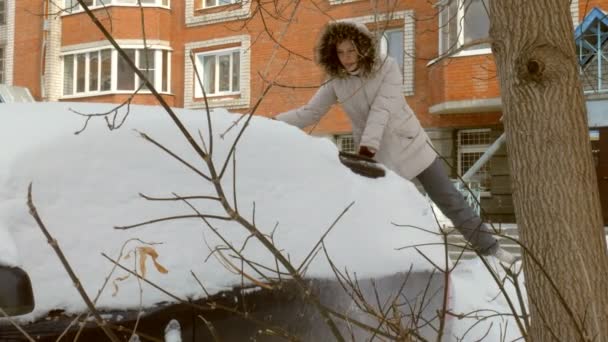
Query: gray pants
point(440, 189)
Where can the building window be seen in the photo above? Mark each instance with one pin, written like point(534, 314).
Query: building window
point(591, 37)
point(346, 143)
point(392, 45)
point(2, 64)
point(462, 22)
point(91, 73)
point(72, 6)
point(224, 67)
point(472, 143)
point(2, 12)
point(220, 72)
point(216, 3)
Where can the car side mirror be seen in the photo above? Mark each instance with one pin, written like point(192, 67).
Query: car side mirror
point(16, 295)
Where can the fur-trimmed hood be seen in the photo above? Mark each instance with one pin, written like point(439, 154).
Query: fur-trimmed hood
point(336, 32)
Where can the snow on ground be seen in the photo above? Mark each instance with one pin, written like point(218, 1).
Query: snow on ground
point(84, 185)
point(477, 294)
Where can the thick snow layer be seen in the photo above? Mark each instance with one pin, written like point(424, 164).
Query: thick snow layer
point(84, 185)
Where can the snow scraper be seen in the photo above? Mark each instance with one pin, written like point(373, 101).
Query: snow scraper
point(362, 165)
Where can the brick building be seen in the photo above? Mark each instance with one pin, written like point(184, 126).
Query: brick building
point(54, 49)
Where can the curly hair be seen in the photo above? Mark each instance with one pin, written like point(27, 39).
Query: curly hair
point(337, 32)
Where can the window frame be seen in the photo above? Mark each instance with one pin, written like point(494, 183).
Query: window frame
point(404, 20)
point(203, 4)
point(198, 92)
point(473, 148)
point(460, 34)
point(2, 63)
point(593, 67)
point(159, 52)
point(74, 6)
point(345, 143)
point(384, 46)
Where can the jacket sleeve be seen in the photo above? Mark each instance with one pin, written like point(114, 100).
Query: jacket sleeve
point(388, 99)
point(311, 112)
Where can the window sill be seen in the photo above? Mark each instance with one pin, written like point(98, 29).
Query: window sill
point(216, 9)
point(65, 14)
point(340, 2)
point(220, 101)
point(219, 97)
point(106, 93)
point(463, 53)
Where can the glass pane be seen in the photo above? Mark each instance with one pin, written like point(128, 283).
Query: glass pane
point(126, 77)
point(148, 2)
point(453, 25)
point(72, 6)
point(165, 3)
point(146, 59)
point(165, 71)
point(476, 21)
point(89, 3)
point(94, 71)
point(209, 74)
point(81, 60)
point(209, 3)
point(106, 70)
point(1, 65)
point(68, 75)
point(146, 64)
point(2, 12)
point(394, 41)
point(225, 73)
point(236, 70)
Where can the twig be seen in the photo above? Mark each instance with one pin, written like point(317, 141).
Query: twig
point(205, 308)
point(171, 218)
point(100, 321)
point(12, 321)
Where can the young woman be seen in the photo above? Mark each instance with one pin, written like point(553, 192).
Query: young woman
point(385, 128)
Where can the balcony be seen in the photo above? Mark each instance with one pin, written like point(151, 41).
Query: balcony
point(465, 84)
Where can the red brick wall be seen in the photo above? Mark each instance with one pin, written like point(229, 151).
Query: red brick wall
point(587, 5)
point(28, 44)
point(463, 78)
point(452, 79)
point(143, 99)
point(124, 23)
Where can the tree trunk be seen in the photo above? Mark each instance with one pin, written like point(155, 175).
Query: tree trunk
point(554, 185)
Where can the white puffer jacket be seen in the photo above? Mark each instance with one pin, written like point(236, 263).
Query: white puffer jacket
point(380, 117)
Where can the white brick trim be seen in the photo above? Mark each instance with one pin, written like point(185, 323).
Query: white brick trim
point(216, 17)
point(53, 77)
point(7, 38)
point(575, 12)
point(245, 81)
point(409, 56)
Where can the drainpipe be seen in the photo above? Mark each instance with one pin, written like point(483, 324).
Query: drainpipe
point(489, 153)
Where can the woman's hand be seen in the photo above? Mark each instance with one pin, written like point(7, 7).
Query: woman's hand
point(366, 152)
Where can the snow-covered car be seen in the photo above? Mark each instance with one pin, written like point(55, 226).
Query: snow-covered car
point(377, 233)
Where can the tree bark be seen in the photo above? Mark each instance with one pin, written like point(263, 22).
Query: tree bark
point(555, 191)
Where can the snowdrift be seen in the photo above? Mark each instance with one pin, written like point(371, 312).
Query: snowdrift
point(290, 183)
